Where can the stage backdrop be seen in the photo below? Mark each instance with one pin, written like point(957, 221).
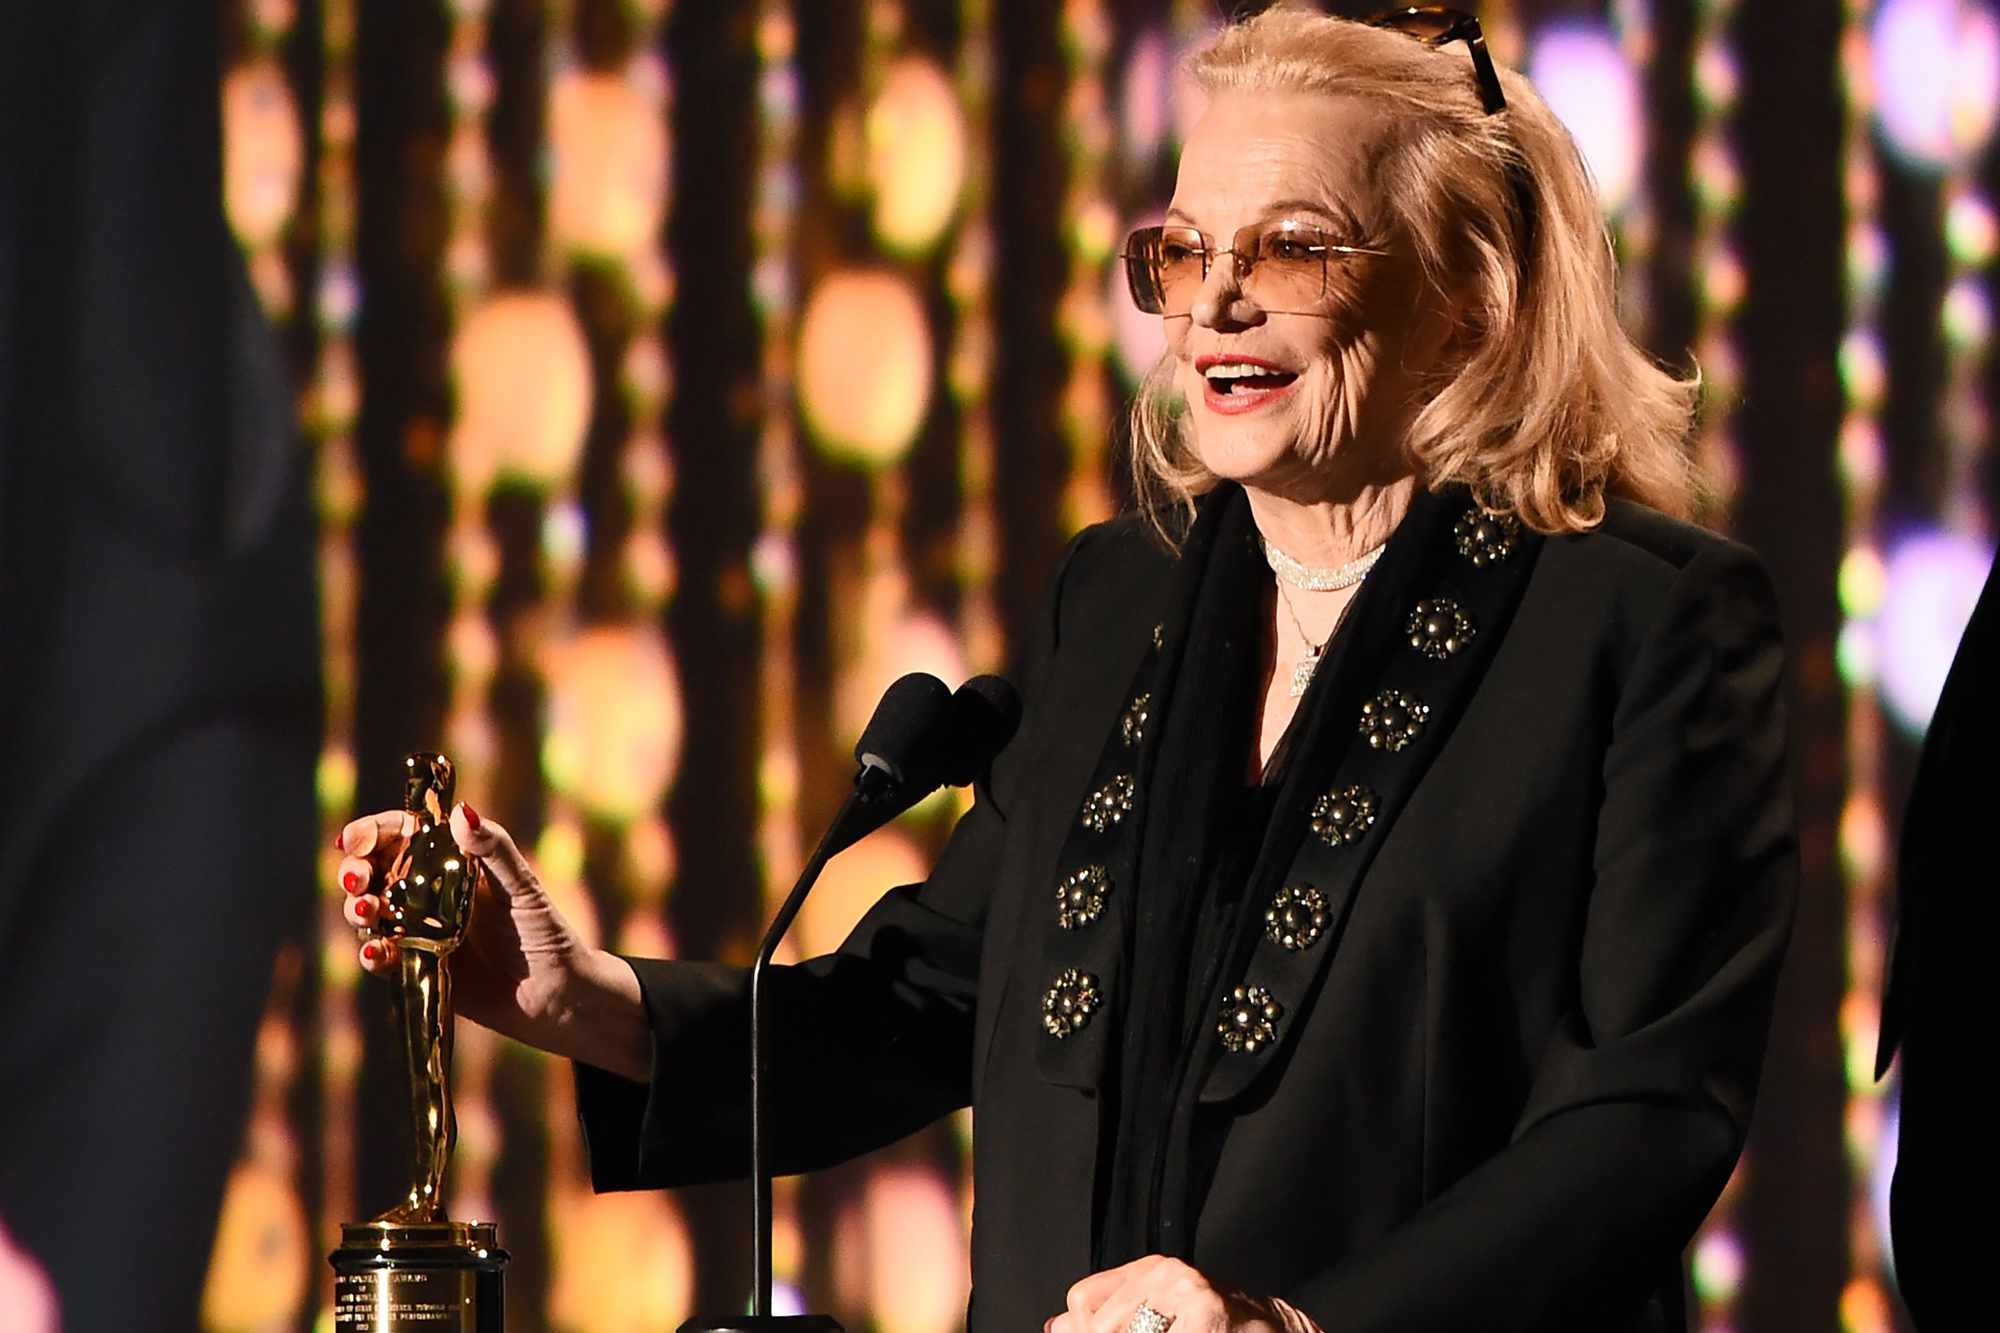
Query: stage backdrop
point(676, 375)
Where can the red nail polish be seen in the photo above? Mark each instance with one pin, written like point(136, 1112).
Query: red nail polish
point(369, 950)
point(471, 817)
point(351, 882)
point(338, 846)
point(362, 907)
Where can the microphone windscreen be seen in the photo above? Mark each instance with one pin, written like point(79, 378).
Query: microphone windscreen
point(902, 733)
point(985, 713)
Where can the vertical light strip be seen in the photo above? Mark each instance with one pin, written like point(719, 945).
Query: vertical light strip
point(612, 695)
point(969, 276)
point(333, 399)
point(1863, 833)
point(263, 1257)
point(1637, 226)
point(1089, 224)
point(471, 653)
point(774, 559)
point(1966, 319)
point(885, 589)
point(646, 468)
point(1716, 271)
point(1717, 268)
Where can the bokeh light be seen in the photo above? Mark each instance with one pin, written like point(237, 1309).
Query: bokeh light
point(917, 1277)
point(864, 365)
point(263, 151)
point(524, 391)
point(1932, 581)
point(261, 1248)
point(1588, 83)
point(608, 164)
point(622, 1263)
point(916, 155)
point(614, 720)
point(1937, 78)
point(852, 882)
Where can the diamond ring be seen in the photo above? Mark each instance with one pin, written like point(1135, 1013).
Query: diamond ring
point(1146, 1319)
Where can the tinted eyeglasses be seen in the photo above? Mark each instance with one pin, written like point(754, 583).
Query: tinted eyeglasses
point(1279, 265)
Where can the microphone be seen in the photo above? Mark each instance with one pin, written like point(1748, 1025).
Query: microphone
point(900, 736)
point(922, 736)
point(985, 714)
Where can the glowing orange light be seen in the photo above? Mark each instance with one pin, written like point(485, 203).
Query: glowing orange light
point(261, 1256)
point(620, 1261)
point(614, 735)
point(865, 366)
point(263, 152)
point(608, 153)
point(524, 391)
point(917, 1278)
point(916, 154)
point(851, 884)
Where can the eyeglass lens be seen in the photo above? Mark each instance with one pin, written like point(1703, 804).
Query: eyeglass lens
point(1280, 266)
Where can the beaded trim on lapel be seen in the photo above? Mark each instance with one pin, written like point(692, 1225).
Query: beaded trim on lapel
point(1081, 923)
point(1082, 914)
point(1413, 661)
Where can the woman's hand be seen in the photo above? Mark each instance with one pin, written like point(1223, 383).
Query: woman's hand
point(1106, 1303)
point(521, 969)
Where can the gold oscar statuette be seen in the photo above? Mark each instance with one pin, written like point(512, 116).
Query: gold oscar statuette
point(412, 1268)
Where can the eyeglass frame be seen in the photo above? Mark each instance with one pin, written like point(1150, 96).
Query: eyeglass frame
point(1246, 262)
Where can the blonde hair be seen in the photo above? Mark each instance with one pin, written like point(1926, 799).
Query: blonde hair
point(1552, 407)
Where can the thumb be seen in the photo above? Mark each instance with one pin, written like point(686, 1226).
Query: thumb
point(487, 840)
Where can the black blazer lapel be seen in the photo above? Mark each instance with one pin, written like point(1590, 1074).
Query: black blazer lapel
point(1083, 915)
point(1418, 643)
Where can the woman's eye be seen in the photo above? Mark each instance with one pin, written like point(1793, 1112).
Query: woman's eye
point(1288, 247)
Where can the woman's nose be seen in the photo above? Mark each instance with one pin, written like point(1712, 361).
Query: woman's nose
point(1222, 303)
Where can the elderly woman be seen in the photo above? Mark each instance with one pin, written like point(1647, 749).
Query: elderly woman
point(1374, 924)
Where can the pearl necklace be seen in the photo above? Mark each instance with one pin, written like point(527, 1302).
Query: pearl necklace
point(1314, 579)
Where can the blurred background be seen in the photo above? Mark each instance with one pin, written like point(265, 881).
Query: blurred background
point(669, 377)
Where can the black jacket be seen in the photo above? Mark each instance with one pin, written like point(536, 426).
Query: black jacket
point(1509, 1084)
point(1938, 1002)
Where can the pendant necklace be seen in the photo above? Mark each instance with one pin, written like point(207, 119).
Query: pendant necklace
point(1302, 672)
point(1313, 579)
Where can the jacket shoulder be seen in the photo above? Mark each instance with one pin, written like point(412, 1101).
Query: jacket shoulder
point(1114, 559)
point(1637, 553)
point(1646, 539)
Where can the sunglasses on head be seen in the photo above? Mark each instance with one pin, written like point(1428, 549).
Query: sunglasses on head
point(1435, 25)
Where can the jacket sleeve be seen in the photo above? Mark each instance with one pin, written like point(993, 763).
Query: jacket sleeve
point(1643, 1095)
point(869, 1043)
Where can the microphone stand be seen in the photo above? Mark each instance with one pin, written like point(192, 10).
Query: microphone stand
point(878, 797)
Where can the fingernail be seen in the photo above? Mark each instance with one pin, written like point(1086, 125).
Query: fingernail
point(471, 817)
point(351, 882)
point(338, 846)
point(370, 950)
point(363, 906)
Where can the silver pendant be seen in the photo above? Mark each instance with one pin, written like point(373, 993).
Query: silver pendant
point(1302, 674)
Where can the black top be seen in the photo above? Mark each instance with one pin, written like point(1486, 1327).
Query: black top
point(1149, 1108)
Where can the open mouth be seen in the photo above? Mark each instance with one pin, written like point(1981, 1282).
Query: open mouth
point(1235, 384)
point(1237, 377)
